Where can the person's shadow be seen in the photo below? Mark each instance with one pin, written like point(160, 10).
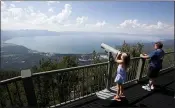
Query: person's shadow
point(123, 103)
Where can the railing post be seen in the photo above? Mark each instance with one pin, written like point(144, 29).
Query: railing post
point(29, 88)
point(140, 68)
point(174, 60)
point(110, 64)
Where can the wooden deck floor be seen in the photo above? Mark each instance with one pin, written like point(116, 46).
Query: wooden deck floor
point(162, 96)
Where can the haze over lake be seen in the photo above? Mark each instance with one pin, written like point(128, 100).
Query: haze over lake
point(76, 43)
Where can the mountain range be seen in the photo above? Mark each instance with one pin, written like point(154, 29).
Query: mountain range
point(8, 34)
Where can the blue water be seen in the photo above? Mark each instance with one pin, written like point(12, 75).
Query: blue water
point(76, 43)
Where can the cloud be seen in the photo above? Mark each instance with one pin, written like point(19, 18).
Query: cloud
point(62, 16)
point(100, 24)
point(2, 3)
point(131, 25)
point(135, 24)
point(51, 10)
point(81, 20)
point(3, 6)
point(13, 17)
point(51, 2)
point(32, 16)
point(12, 5)
point(16, 1)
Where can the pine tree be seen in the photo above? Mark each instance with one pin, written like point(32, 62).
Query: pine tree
point(95, 57)
point(62, 79)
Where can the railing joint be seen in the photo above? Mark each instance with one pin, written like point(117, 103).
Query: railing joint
point(29, 88)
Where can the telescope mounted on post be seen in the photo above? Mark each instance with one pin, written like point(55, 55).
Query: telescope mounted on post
point(108, 49)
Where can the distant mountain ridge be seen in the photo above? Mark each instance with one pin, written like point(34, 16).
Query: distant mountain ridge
point(166, 45)
point(8, 34)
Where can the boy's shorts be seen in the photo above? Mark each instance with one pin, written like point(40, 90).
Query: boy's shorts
point(153, 72)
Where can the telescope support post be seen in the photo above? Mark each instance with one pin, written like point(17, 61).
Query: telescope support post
point(110, 65)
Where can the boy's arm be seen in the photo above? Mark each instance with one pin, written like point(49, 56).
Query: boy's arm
point(146, 56)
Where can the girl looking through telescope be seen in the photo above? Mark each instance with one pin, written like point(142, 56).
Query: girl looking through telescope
point(123, 59)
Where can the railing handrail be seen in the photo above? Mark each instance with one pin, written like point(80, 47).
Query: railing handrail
point(170, 52)
point(74, 68)
point(10, 80)
point(64, 70)
point(67, 69)
point(79, 67)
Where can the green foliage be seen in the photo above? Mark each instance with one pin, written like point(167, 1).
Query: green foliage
point(47, 65)
point(133, 50)
point(62, 80)
point(95, 57)
point(8, 74)
point(169, 50)
point(69, 62)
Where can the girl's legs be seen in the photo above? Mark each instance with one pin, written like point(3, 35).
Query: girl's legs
point(121, 91)
point(117, 97)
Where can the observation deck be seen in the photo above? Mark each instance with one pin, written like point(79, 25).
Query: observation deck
point(90, 86)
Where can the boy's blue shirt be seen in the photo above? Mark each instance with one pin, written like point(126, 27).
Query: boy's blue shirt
point(156, 58)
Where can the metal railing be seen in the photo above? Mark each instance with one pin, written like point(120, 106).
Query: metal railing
point(66, 85)
point(131, 73)
point(168, 62)
point(58, 87)
point(12, 93)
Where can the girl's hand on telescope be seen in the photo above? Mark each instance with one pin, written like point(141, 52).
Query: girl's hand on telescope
point(119, 53)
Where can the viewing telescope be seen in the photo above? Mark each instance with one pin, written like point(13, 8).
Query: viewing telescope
point(108, 48)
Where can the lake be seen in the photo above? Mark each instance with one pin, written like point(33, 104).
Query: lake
point(76, 43)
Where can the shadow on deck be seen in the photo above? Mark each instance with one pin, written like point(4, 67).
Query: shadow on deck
point(161, 97)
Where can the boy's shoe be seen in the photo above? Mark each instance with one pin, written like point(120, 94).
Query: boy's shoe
point(146, 87)
point(152, 87)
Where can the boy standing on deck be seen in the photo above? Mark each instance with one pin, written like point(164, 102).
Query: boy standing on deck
point(155, 64)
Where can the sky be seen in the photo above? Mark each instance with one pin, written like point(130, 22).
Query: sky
point(89, 16)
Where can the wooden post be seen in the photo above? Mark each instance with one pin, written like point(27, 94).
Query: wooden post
point(140, 68)
point(110, 64)
point(29, 88)
point(174, 54)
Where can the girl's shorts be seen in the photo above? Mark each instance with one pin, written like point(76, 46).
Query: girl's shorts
point(119, 79)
